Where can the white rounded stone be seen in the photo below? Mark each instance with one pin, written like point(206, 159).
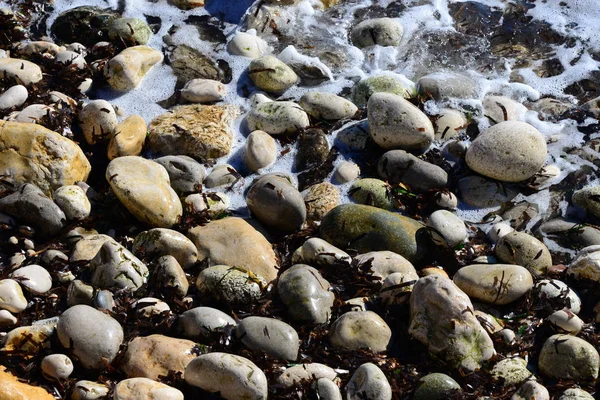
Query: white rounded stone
point(73, 201)
point(449, 123)
point(34, 277)
point(11, 296)
point(448, 227)
point(57, 366)
point(14, 96)
point(247, 45)
point(203, 91)
point(346, 171)
point(328, 106)
point(260, 151)
point(98, 120)
point(566, 321)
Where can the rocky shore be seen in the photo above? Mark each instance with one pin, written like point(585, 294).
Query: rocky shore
point(298, 199)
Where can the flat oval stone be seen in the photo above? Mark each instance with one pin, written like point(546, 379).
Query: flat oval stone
point(78, 329)
point(398, 166)
point(346, 171)
point(203, 91)
point(11, 296)
point(510, 151)
point(436, 386)
point(450, 228)
point(512, 371)
point(260, 151)
point(359, 330)
point(306, 372)
point(440, 319)
point(247, 45)
point(234, 377)
point(586, 199)
point(586, 265)
point(116, 267)
point(364, 89)
point(367, 228)
point(480, 192)
point(143, 187)
point(316, 251)
point(395, 123)
point(155, 355)
point(328, 106)
point(384, 263)
point(568, 357)
point(501, 108)
point(12, 386)
point(274, 337)
point(132, 31)
point(277, 117)
point(271, 74)
point(566, 321)
point(202, 321)
point(33, 277)
point(320, 199)
point(232, 285)
point(494, 283)
point(531, 390)
point(397, 287)
point(25, 72)
point(185, 173)
point(377, 31)
point(128, 138)
point(306, 294)
point(73, 201)
point(221, 175)
point(136, 388)
point(448, 124)
point(368, 382)
point(576, 394)
point(523, 249)
point(161, 241)
point(326, 389)
point(57, 366)
point(276, 203)
point(440, 86)
point(14, 96)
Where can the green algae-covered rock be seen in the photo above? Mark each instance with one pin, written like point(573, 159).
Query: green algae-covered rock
point(375, 84)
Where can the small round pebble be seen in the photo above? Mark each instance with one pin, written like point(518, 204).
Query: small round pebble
point(57, 366)
point(33, 277)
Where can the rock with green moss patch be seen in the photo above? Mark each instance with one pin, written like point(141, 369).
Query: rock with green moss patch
point(271, 74)
point(277, 117)
point(436, 386)
point(511, 371)
point(383, 83)
point(372, 192)
point(131, 31)
point(568, 357)
point(494, 283)
point(523, 249)
point(116, 267)
point(233, 285)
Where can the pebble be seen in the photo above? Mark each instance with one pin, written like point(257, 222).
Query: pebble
point(271, 74)
point(558, 293)
point(89, 390)
point(356, 330)
point(126, 70)
point(436, 386)
point(377, 31)
point(320, 199)
point(306, 294)
point(14, 387)
point(213, 203)
point(203, 91)
point(11, 296)
point(531, 390)
point(6, 318)
point(390, 114)
point(276, 203)
point(130, 31)
point(232, 285)
point(501, 108)
point(494, 283)
point(200, 322)
point(364, 89)
point(128, 138)
point(79, 292)
point(116, 267)
point(158, 242)
point(327, 106)
point(221, 175)
point(277, 117)
point(34, 113)
point(25, 72)
point(148, 307)
point(568, 357)
point(511, 371)
point(566, 322)
point(441, 86)
point(98, 121)
point(253, 252)
point(372, 192)
point(318, 252)
point(67, 58)
point(144, 388)
point(34, 278)
point(170, 275)
point(397, 287)
point(437, 305)
point(247, 45)
point(586, 199)
point(143, 187)
point(234, 377)
point(448, 124)
point(185, 173)
point(346, 171)
point(57, 366)
point(511, 151)
point(73, 201)
point(78, 329)
point(155, 355)
point(38, 338)
point(87, 246)
point(523, 249)
point(449, 230)
point(260, 151)
point(306, 372)
point(104, 300)
point(586, 264)
point(312, 149)
point(274, 337)
point(477, 191)
point(384, 263)
point(368, 382)
point(14, 96)
point(576, 394)
point(398, 166)
point(326, 389)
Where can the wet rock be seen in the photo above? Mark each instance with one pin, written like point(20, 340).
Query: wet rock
point(128, 138)
point(253, 252)
point(221, 175)
point(79, 293)
point(203, 91)
point(523, 249)
point(500, 108)
point(11, 296)
point(23, 71)
point(200, 132)
point(568, 357)
point(372, 192)
point(73, 201)
point(398, 166)
point(14, 96)
point(558, 293)
point(143, 187)
point(271, 74)
point(31, 206)
point(570, 234)
point(86, 25)
point(510, 151)
point(320, 199)
point(234, 377)
point(89, 390)
point(13, 388)
point(587, 198)
point(377, 31)
point(448, 124)
point(57, 366)
point(328, 106)
point(277, 117)
point(396, 123)
point(436, 386)
point(156, 355)
point(566, 322)
point(130, 31)
point(170, 275)
point(98, 121)
point(233, 285)
point(260, 151)
point(247, 45)
point(531, 390)
point(384, 263)
point(312, 149)
point(434, 303)
point(78, 329)
point(346, 171)
point(586, 265)
point(326, 389)
point(364, 89)
point(134, 388)
point(440, 86)
point(274, 337)
point(126, 70)
point(356, 330)
point(185, 173)
point(306, 372)
point(368, 382)
point(318, 252)
point(276, 203)
point(511, 371)
point(494, 283)
point(576, 394)
point(34, 278)
point(116, 267)
point(200, 322)
point(44, 158)
point(450, 230)
point(188, 63)
point(306, 294)
point(160, 241)
point(367, 228)
point(480, 192)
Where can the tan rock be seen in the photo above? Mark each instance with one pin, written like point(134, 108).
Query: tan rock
point(232, 241)
point(145, 389)
point(127, 69)
point(24, 71)
point(12, 389)
point(201, 132)
point(188, 4)
point(320, 199)
point(143, 187)
point(128, 138)
point(34, 154)
point(155, 355)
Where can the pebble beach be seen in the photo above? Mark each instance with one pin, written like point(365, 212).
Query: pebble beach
point(299, 199)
